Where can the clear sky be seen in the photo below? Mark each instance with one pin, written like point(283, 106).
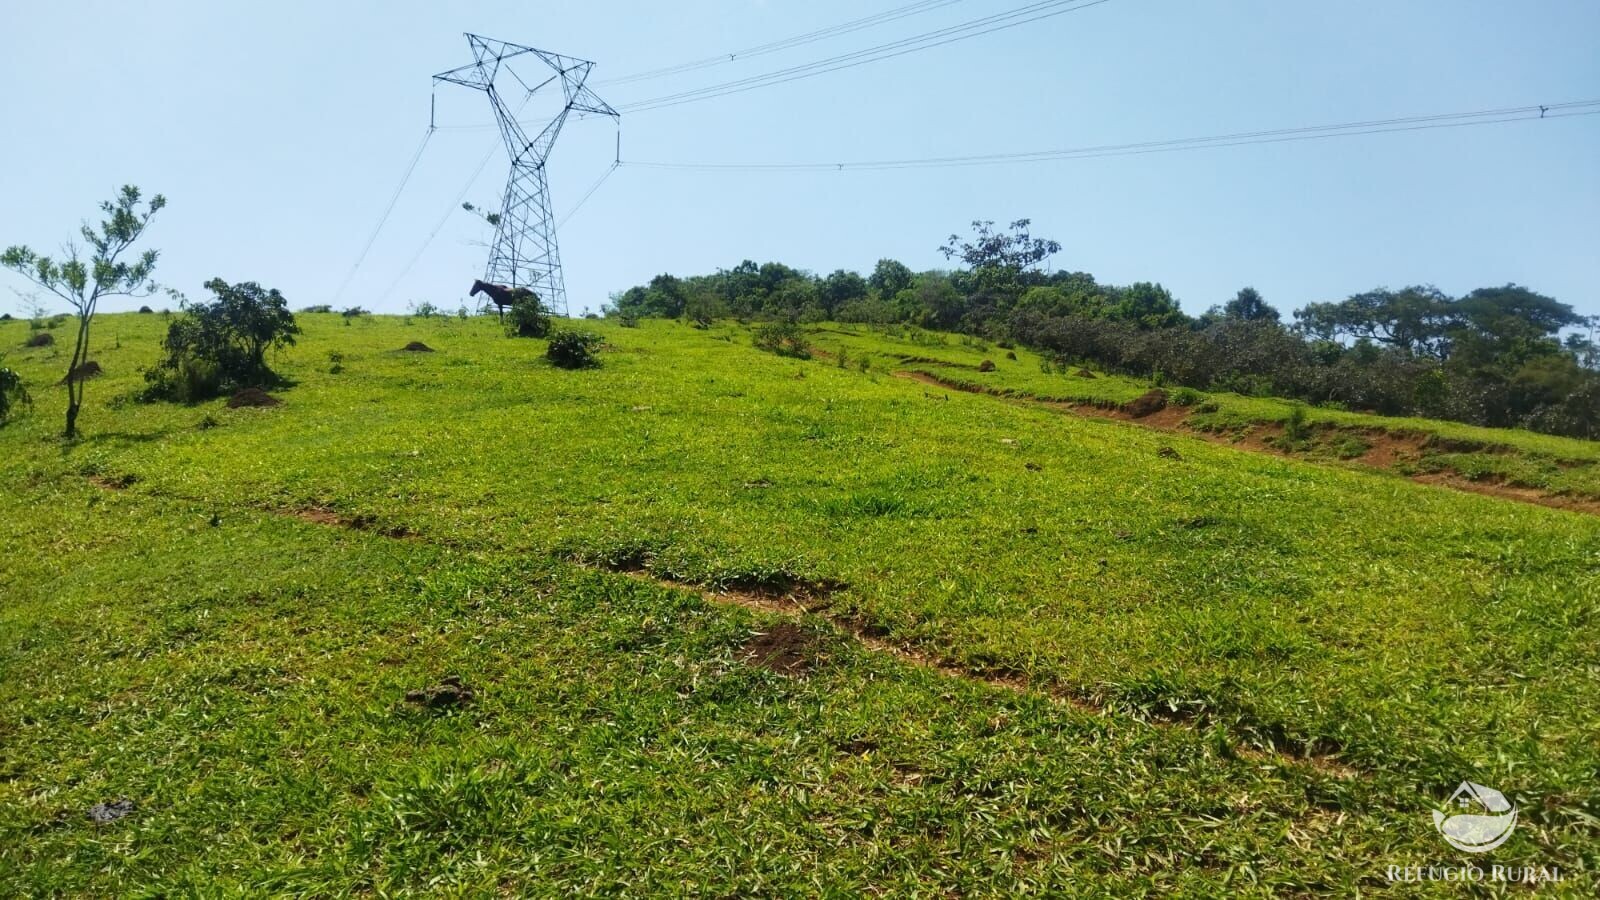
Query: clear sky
point(278, 131)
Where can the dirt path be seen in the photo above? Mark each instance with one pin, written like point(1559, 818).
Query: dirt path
point(1386, 450)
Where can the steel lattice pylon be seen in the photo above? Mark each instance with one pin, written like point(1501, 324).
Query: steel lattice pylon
point(524, 253)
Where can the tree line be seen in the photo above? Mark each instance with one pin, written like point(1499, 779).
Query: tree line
point(1502, 356)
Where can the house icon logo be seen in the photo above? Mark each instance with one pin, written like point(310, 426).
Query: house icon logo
point(1484, 819)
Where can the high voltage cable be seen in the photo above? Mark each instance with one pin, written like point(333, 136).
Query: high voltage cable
point(1280, 135)
point(467, 188)
point(809, 37)
point(589, 193)
point(393, 199)
point(1023, 15)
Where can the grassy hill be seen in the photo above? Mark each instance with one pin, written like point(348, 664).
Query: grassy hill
point(734, 622)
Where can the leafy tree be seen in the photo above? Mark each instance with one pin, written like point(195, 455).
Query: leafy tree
point(933, 301)
point(1249, 306)
point(1414, 320)
point(83, 283)
point(1147, 305)
point(1504, 327)
point(994, 249)
point(996, 260)
point(222, 345)
point(889, 277)
point(840, 288)
point(703, 308)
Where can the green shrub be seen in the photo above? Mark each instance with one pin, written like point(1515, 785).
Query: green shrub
point(221, 346)
point(12, 393)
point(1296, 431)
point(784, 339)
point(317, 308)
point(574, 349)
point(528, 318)
point(1186, 397)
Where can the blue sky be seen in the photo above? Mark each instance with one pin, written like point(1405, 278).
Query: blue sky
point(278, 132)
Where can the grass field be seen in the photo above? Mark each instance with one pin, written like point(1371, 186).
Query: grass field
point(1035, 651)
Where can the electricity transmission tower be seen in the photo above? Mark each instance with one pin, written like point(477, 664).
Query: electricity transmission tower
point(524, 252)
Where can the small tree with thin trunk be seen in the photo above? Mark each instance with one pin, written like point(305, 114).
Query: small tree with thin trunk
point(84, 283)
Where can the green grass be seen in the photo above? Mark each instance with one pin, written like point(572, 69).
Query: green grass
point(244, 682)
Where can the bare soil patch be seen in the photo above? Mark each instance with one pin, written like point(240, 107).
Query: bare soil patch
point(252, 397)
point(83, 372)
point(317, 516)
point(1148, 403)
point(785, 648)
point(448, 692)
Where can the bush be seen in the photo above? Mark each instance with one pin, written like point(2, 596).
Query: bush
point(221, 346)
point(1185, 397)
point(528, 318)
point(784, 339)
point(353, 312)
point(39, 339)
point(1295, 428)
point(574, 349)
point(12, 393)
point(317, 308)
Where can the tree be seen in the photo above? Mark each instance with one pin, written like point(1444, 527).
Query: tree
point(889, 277)
point(1249, 306)
point(84, 283)
point(992, 249)
point(222, 345)
point(840, 288)
point(1505, 327)
point(1414, 320)
point(996, 260)
point(703, 308)
point(1146, 305)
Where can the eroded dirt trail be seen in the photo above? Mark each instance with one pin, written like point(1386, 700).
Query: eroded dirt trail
point(1386, 451)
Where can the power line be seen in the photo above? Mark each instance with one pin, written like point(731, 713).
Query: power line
point(798, 40)
point(1280, 135)
point(428, 242)
point(1023, 15)
point(387, 210)
point(589, 193)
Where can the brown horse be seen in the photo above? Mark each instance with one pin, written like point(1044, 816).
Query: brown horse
point(500, 295)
